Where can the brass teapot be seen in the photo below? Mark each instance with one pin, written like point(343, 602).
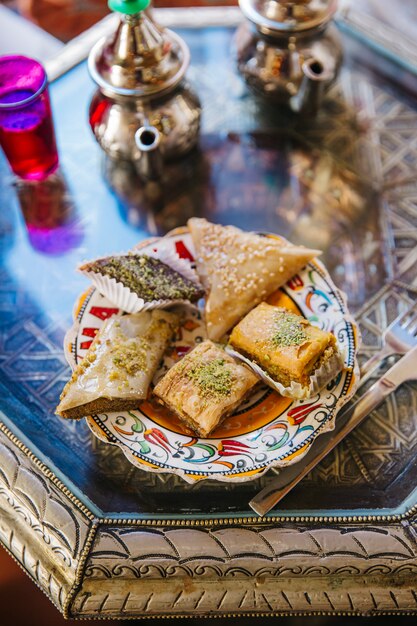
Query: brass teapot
point(289, 52)
point(143, 110)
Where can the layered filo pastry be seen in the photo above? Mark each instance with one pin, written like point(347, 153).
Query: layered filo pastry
point(292, 356)
point(117, 369)
point(204, 387)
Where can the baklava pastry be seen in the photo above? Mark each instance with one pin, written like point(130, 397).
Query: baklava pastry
point(239, 270)
point(204, 387)
point(292, 356)
point(137, 282)
point(116, 371)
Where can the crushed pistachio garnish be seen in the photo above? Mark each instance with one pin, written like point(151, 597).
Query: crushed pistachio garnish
point(131, 357)
point(288, 330)
point(149, 278)
point(213, 378)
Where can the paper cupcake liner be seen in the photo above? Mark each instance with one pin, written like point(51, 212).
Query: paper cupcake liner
point(128, 301)
point(321, 377)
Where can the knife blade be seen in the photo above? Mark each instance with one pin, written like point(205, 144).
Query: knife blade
point(405, 369)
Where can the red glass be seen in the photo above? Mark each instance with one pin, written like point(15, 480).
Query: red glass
point(26, 128)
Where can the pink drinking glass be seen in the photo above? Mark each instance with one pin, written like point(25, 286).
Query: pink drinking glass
point(26, 129)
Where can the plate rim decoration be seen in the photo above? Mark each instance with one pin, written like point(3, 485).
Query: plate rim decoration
point(229, 445)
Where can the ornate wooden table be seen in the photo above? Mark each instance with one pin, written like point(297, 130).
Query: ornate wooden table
point(104, 539)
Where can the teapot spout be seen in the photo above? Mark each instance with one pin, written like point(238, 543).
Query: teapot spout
point(150, 164)
point(315, 78)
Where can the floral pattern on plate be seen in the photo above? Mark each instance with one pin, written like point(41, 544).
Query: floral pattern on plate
point(267, 431)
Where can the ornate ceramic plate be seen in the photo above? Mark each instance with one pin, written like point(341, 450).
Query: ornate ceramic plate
point(268, 430)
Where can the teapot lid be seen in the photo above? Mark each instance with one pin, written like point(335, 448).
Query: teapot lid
point(273, 17)
point(141, 58)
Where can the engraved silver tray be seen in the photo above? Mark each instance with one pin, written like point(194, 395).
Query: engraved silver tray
point(104, 539)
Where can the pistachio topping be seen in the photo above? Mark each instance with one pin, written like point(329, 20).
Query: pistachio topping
point(213, 378)
point(288, 330)
point(131, 357)
point(149, 278)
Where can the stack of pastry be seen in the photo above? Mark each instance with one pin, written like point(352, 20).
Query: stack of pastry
point(237, 271)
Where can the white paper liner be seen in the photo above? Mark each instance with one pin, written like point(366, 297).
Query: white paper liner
point(321, 377)
point(128, 301)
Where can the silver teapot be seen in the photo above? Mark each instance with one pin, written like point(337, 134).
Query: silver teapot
point(289, 52)
point(143, 110)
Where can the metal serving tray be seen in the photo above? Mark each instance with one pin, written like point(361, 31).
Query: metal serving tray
point(104, 539)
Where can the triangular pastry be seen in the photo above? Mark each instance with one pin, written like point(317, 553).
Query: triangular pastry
point(148, 277)
point(239, 270)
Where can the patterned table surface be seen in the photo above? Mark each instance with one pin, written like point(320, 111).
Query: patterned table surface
point(345, 184)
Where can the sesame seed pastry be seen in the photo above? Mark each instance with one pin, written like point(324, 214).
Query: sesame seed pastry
point(117, 369)
point(204, 387)
point(239, 270)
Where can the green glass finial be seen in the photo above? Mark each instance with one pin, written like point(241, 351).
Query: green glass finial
point(128, 7)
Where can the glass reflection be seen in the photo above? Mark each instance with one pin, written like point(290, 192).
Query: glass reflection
point(160, 205)
point(51, 219)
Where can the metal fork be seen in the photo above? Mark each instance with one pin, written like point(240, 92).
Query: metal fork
point(397, 338)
